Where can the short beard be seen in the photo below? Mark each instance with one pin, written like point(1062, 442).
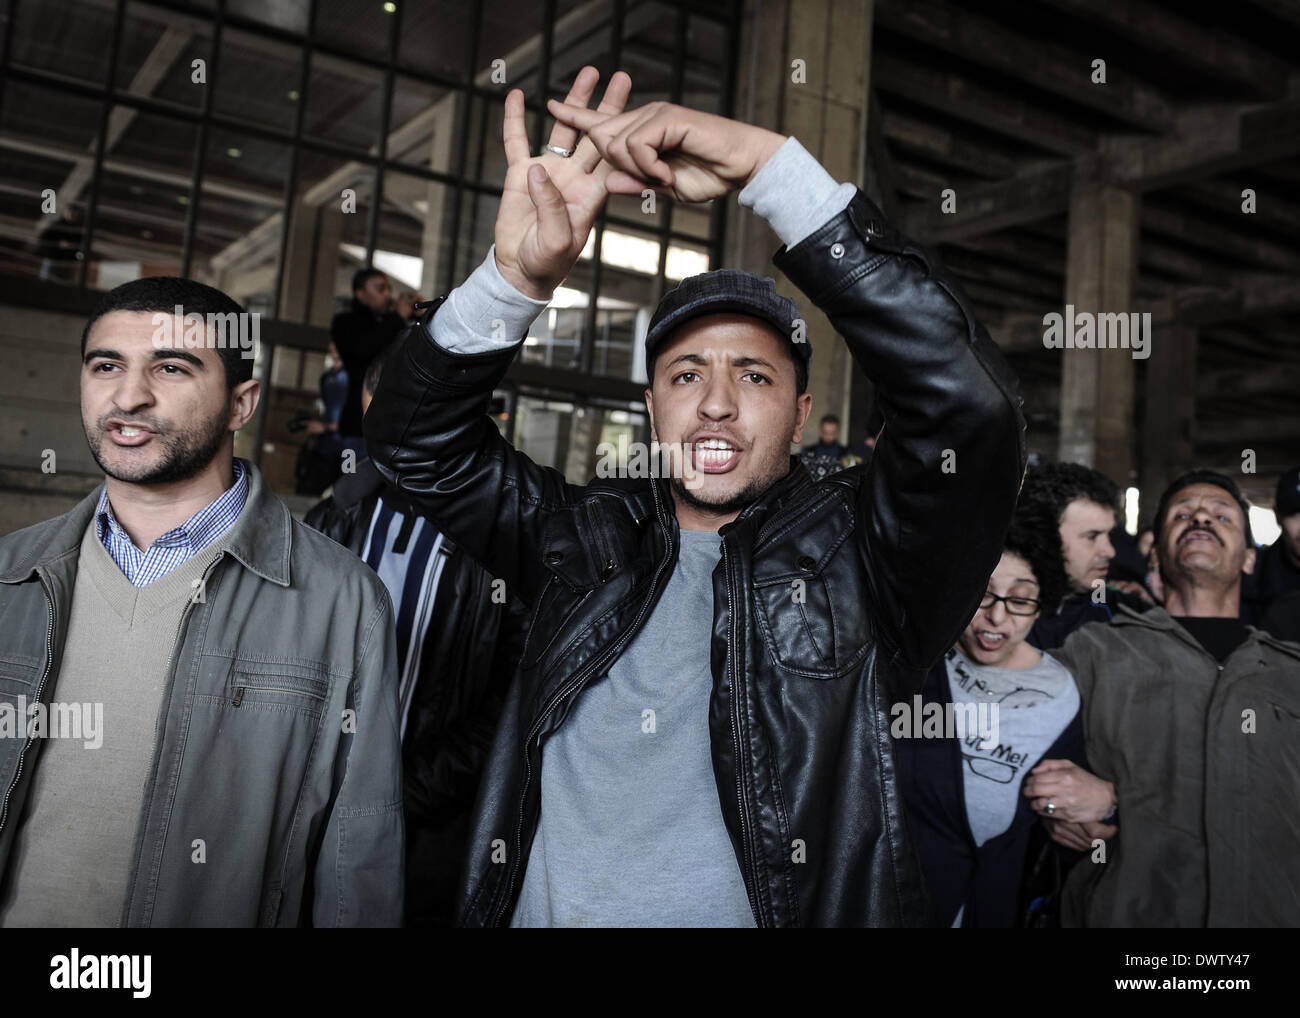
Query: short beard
point(741, 500)
point(185, 455)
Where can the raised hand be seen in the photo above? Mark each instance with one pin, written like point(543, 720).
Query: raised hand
point(549, 202)
point(673, 150)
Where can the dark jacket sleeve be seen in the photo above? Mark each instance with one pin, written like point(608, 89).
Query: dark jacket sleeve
point(947, 470)
point(429, 434)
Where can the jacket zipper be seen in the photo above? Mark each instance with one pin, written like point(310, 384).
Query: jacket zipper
point(49, 664)
point(241, 690)
point(157, 747)
point(749, 866)
point(576, 683)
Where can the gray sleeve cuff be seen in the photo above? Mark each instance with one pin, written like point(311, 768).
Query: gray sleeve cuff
point(484, 313)
point(795, 194)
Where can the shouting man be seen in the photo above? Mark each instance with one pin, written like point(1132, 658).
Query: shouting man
point(698, 733)
point(249, 771)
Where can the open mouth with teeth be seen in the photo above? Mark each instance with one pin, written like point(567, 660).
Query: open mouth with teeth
point(128, 434)
point(714, 455)
point(989, 640)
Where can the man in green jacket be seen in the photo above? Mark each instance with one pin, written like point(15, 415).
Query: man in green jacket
point(198, 696)
point(1194, 718)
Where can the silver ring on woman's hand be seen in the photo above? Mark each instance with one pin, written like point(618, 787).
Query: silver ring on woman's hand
point(1051, 808)
point(562, 152)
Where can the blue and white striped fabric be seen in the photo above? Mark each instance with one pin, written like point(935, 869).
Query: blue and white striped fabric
point(408, 553)
point(177, 545)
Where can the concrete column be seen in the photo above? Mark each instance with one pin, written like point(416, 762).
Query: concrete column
point(311, 263)
point(1097, 384)
point(827, 112)
point(1169, 429)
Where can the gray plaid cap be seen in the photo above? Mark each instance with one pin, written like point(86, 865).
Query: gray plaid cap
point(725, 290)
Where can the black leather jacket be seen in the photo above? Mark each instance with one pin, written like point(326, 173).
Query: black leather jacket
point(894, 563)
point(468, 656)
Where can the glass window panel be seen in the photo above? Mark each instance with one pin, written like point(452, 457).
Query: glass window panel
point(436, 37)
point(708, 46)
point(160, 48)
point(649, 36)
point(327, 237)
point(582, 35)
point(344, 103)
point(414, 230)
point(357, 26)
point(258, 80)
point(289, 15)
point(693, 219)
point(511, 31)
point(139, 224)
point(68, 37)
point(47, 144)
point(424, 122)
point(240, 217)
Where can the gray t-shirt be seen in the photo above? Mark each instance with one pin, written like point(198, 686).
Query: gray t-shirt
point(1034, 706)
point(631, 830)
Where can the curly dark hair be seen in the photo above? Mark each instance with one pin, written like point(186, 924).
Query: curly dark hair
point(1036, 540)
point(1049, 489)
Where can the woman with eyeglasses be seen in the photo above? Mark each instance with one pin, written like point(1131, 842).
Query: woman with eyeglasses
point(999, 710)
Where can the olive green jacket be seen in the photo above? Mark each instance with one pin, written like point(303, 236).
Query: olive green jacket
point(1206, 763)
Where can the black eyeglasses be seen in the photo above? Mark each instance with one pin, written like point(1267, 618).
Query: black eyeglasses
point(1015, 605)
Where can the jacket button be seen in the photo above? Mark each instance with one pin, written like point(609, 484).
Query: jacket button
point(806, 563)
point(837, 250)
point(553, 558)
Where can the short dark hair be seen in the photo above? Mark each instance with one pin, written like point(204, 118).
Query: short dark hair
point(374, 370)
point(1038, 542)
point(362, 276)
point(1203, 477)
point(164, 293)
point(1050, 488)
point(829, 419)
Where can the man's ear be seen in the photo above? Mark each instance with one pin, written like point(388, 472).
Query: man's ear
point(1248, 566)
point(650, 411)
point(243, 402)
point(803, 407)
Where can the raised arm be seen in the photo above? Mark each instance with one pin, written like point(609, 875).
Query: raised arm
point(428, 430)
point(945, 476)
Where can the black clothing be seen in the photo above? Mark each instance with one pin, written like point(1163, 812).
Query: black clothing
point(470, 651)
point(1077, 610)
point(833, 450)
point(1220, 637)
point(992, 880)
point(360, 334)
point(1283, 618)
point(1274, 576)
point(801, 687)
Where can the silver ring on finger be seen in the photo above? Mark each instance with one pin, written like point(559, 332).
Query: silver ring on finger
point(563, 153)
point(1050, 807)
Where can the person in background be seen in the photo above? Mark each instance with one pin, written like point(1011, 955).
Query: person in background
point(364, 330)
point(828, 439)
point(1277, 567)
point(976, 834)
point(828, 454)
point(1146, 540)
point(1084, 505)
point(1191, 718)
point(458, 642)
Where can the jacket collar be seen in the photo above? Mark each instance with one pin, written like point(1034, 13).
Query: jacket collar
point(1158, 618)
point(260, 540)
point(776, 497)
